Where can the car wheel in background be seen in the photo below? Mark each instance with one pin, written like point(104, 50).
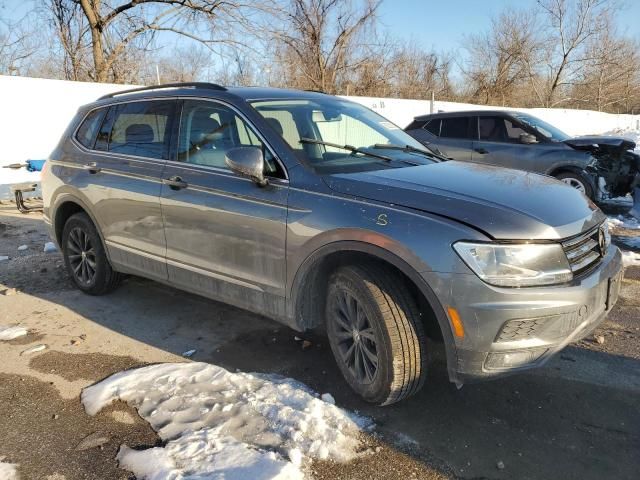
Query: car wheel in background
point(376, 333)
point(85, 257)
point(577, 181)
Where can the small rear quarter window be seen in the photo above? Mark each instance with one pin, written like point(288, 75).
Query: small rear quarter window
point(86, 134)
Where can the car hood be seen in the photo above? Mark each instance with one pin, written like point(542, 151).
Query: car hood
point(503, 203)
point(596, 142)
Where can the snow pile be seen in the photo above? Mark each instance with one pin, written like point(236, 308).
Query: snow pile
point(622, 221)
point(8, 471)
point(223, 425)
point(9, 333)
point(630, 258)
point(49, 247)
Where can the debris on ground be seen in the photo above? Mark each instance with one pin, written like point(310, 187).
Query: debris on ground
point(500, 465)
point(237, 425)
point(599, 339)
point(50, 247)
point(9, 291)
point(93, 440)
point(22, 248)
point(37, 348)
point(9, 333)
point(188, 353)
point(306, 344)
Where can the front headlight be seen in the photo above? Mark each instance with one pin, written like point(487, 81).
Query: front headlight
point(518, 265)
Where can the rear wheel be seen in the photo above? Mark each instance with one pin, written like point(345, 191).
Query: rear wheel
point(376, 333)
point(85, 257)
point(577, 181)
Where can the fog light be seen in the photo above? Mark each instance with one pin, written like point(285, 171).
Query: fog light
point(513, 359)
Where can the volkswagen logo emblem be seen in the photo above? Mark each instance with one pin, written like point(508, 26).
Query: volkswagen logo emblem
point(602, 241)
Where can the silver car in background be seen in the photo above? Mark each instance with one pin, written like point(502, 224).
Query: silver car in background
point(319, 213)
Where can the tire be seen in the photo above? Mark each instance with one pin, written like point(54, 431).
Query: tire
point(577, 181)
point(373, 299)
point(85, 257)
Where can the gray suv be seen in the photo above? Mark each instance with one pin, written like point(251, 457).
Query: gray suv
point(600, 167)
point(319, 213)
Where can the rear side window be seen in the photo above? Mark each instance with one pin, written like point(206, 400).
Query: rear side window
point(142, 129)
point(86, 134)
point(433, 127)
point(415, 125)
point(455, 127)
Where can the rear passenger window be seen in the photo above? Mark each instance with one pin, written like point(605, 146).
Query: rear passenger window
point(457, 127)
point(86, 134)
point(142, 129)
point(433, 127)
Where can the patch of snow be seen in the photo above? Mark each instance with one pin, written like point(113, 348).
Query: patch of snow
point(9, 333)
point(622, 221)
point(3, 258)
point(223, 425)
point(50, 247)
point(327, 397)
point(630, 258)
point(23, 247)
point(8, 471)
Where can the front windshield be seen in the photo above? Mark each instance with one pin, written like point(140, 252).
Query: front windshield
point(549, 131)
point(306, 124)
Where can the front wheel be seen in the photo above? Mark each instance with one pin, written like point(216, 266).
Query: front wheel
point(577, 181)
point(376, 333)
point(85, 257)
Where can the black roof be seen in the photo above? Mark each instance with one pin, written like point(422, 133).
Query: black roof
point(464, 113)
point(210, 90)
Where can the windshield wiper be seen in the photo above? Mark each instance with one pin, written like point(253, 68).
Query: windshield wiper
point(350, 148)
point(409, 149)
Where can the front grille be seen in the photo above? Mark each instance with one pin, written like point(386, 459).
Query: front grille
point(584, 251)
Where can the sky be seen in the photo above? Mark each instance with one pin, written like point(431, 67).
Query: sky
point(442, 24)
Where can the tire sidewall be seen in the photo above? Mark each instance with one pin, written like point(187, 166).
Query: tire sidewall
point(83, 222)
point(377, 391)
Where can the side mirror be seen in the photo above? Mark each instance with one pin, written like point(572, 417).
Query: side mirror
point(528, 139)
point(248, 162)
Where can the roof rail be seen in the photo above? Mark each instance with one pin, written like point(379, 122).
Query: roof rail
point(210, 86)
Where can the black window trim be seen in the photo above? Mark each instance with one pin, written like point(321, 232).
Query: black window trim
point(261, 137)
point(424, 127)
point(84, 120)
point(122, 155)
point(469, 134)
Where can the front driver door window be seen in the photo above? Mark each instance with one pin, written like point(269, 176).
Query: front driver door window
point(225, 234)
point(499, 143)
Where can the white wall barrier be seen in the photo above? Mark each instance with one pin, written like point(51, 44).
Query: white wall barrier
point(37, 111)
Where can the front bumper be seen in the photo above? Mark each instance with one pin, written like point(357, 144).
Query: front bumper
point(513, 329)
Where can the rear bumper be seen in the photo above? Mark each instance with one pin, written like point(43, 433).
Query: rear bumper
point(510, 330)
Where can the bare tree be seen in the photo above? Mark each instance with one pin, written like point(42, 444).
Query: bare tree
point(571, 25)
point(500, 60)
point(18, 44)
point(318, 41)
point(116, 37)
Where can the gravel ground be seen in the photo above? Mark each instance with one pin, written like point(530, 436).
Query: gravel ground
point(575, 418)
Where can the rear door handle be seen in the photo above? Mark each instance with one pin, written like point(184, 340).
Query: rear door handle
point(175, 182)
point(481, 150)
point(91, 167)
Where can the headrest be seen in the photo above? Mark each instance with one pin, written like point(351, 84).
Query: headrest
point(139, 133)
point(275, 124)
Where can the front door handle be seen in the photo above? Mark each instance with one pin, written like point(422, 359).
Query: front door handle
point(91, 167)
point(481, 151)
point(175, 183)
